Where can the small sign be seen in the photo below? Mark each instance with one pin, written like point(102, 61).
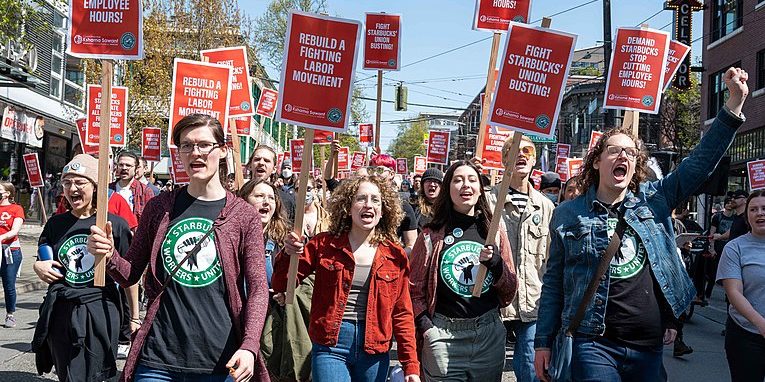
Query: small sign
point(34, 175)
point(118, 125)
point(150, 147)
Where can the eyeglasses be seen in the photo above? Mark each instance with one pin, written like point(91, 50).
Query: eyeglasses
point(377, 170)
point(632, 152)
point(203, 147)
point(77, 184)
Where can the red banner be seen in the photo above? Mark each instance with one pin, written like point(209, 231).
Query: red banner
point(636, 79)
point(756, 171)
point(574, 166)
point(420, 164)
point(594, 139)
point(243, 126)
point(358, 160)
point(296, 154)
point(150, 147)
point(438, 147)
point(532, 79)
point(240, 102)
point(496, 15)
point(563, 150)
point(382, 47)
point(318, 70)
point(118, 126)
point(199, 87)
point(676, 55)
point(402, 167)
point(536, 178)
point(82, 134)
point(180, 176)
point(34, 175)
point(267, 103)
point(279, 159)
point(343, 160)
point(366, 134)
point(493, 141)
point(561, 167)
point(105, 29)
point(323, 137)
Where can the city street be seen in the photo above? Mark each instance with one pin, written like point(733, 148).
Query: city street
point(707, 363)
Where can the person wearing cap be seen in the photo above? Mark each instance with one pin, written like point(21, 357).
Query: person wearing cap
point(549, 185)
point(738, 227)
point(74, 310)
point(429, 189)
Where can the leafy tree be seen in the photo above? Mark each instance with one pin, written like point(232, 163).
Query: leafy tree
point(409, 142)
point(272, 26)
point(681, 118)
point(17, 16)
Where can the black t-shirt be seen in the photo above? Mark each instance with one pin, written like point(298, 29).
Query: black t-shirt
point(192, 332)
point(738, 227)
point(288, 203)
point(457, 269)
point(68, 237)
point(409, 223)
point(723, 224)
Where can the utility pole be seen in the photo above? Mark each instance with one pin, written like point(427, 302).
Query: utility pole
point(608, 116)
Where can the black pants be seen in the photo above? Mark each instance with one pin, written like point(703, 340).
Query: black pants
point(125, 333)
point(703, 272)
point(745, 351)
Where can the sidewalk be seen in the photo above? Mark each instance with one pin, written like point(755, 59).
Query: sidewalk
point(28, 280)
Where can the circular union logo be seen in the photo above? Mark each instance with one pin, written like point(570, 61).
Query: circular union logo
point(542, 121)
point(245, 106)
point(392, 63)
point(127, 41)
point(611, 97)
point(483, 18)
point(334, 115)
point(631, 261)
point(200, 269)
point(74, 255)
point(647, 100)
point(288, 108)
point(459, 268)
point(78, 39)
point(499, 112)
point(118, 137)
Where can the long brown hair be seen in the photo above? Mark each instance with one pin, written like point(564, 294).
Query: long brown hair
point(423, 204)
point(444, 206)
point(590, 175)
point(276, 228)
point(8, 187)
point(340, 208)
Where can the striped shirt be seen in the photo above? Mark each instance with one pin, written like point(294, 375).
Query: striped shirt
point(519, 200)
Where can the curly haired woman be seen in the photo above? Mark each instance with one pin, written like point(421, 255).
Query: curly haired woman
point(364, 274)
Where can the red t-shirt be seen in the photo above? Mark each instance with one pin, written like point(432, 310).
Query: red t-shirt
point(8, 214)
point(117, 206)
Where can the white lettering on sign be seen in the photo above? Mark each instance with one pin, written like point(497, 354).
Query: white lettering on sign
point(106, 11)
point(635, 73)
point(320, 53)
point(534, 66)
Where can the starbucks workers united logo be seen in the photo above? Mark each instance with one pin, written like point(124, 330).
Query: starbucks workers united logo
point(630, 259)
point(200, 269)
point(459, 268)
point(74, 256)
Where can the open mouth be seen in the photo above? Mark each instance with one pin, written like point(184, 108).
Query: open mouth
point(75, 199)
point(367, 217)
point(620, 172)
point(466, 195)
point(197, 165)
point(264, 210)
point(521, 162)
point(760, 221)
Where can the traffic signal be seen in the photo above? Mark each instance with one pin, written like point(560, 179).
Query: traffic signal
point(401, 95)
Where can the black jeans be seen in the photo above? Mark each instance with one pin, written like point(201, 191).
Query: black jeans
point(745, 351)
point(704, 271)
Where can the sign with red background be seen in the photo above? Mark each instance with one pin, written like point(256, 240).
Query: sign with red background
point(382, 47)
point(675, 57)
point(32, 165)
point(536, 177)
point(563, 150)
point(358, 160)
point(267, 103)
point(150, 143)
point(343, 162)
point(574, 166)
point(420, 164)
point(82, 133)
point(180, 176)
point(493, 141)
point(366, 134)
point(438, 147)
point(561, 167)
point(594, 139)
point(402, 167)
point(118, 126)
point(496, 15)
point(296, 154)
point(240, 100)
point(322, 137)
point(106, 29)
point(243, 126)
point(756, 172)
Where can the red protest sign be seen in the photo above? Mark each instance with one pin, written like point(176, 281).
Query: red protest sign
point(574, 166)
point(563, 150)
point(636, 78)
point(82, 134)
point(358, 160)
point(280, 158)
point(561, 167)
point(366, 134)
point(296, 154)
point(343, 162)
point(438, 147)
point(105, 29)
point(180, 176)
point(267, 103)
point(240, 102)
point(756, 172)
point(322, 137)
point(536, 177)
point(535, 65)
point(199, 87)
point(317, 72)
point(493, 141)
point(150, 147)
point(382, 47)
point(118, 126)
point(243, 126)
point(34, 176)
point(496, 15)
point(594, 139)
point(420, 164)
point(676, 55)
point(402, 167)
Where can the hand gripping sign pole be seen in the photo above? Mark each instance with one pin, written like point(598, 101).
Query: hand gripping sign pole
point(504, 187)
point(107, 69)
point(490, 82)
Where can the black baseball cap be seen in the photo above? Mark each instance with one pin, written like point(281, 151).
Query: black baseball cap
point(739, 194)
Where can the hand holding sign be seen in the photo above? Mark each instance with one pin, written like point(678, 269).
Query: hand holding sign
point(735, 79)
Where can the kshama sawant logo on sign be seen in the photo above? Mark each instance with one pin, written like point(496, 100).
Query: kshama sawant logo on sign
point(106, 29)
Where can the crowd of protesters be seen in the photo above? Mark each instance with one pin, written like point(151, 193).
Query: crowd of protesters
point(381, 258)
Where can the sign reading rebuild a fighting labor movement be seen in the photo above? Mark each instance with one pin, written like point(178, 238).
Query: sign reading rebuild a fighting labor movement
point(492, 147)
point(532, 78)
point(438, 147)
point(677, 53)
point(199, 88)
point(382, 37)
point(180, 176)
point(118, 125)
point(496, 15)
point(107, 29)
point(240, 103)
point(267, 103)
point(150, 147)
point(317, 71)
point(343, 159)
point(32, 164)
point(636, 78)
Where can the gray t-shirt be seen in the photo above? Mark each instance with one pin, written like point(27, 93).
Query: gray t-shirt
point(744, 259)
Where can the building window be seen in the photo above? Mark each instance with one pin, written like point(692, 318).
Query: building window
point(55, 87)
point(726, 17)
point(761, 67)
point(718, 92)
point(56, 65)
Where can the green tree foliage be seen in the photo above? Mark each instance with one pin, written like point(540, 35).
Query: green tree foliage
point(681, 118)
point(409, 142)
point(16, 15)
point(271, 27)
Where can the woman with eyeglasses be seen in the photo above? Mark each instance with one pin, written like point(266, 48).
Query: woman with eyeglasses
point(364, 298)
point(11, 219)
point(78, 328)
point(202, 246)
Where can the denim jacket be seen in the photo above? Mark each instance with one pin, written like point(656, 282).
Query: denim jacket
point(579, 237)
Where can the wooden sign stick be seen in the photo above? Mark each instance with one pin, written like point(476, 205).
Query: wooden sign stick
point(335, 164)
point(378, 117)
point(42, 204)
point(238, 176)
point(323, 180)
point(493, 174)
point(632, 119)
point(490, 81)
point(305, 169)
point(104, 138)
point(504, 187)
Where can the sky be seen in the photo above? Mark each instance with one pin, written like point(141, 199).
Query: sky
point(430, 27)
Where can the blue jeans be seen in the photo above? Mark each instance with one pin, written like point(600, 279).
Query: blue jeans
point(147, 374)
point(523, 354)
point(347, 361)
point(9, 272)
point(601, 360)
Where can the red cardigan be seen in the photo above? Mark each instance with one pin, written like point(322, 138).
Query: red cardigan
point(239, 241)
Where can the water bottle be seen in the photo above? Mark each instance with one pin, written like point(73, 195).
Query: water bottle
point(45, 252)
